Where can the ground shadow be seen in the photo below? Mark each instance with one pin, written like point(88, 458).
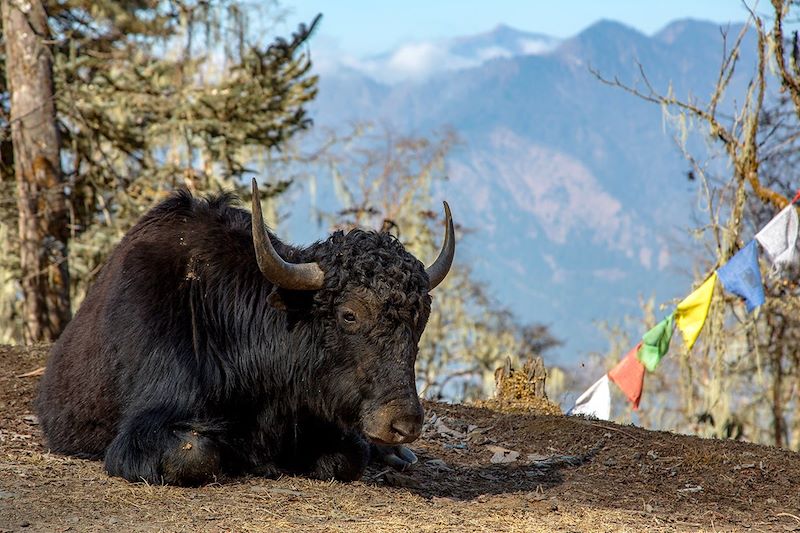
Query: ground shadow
point(432, 478)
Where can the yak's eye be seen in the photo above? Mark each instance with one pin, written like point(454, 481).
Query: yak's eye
point(351, 316)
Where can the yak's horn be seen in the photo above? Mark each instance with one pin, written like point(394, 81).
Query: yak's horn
point(439, 269)
point(294, 276)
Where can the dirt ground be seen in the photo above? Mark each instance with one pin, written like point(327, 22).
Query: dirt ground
point(479, 470)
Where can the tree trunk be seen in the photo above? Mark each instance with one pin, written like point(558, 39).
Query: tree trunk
point(778, 423)
point(43, 229)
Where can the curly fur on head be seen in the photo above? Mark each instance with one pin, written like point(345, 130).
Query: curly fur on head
point(377, 262)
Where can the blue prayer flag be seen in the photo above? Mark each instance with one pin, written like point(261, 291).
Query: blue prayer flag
point(742, 277)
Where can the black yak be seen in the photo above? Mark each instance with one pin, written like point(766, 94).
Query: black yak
point(207, 347)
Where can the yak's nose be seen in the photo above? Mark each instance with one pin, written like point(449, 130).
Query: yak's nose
point(407, 427)
point(395, 422)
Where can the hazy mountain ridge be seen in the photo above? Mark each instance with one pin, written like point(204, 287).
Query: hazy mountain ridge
point(503, 41)
point(577, 185)
point(420, 60)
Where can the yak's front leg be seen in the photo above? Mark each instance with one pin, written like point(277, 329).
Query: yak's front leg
point(345, 461)
point(157, 447)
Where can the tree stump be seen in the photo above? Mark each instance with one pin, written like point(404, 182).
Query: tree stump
point(519, 384)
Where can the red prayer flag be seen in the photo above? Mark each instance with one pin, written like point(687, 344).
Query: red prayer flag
point(796, 197)
point(629, 376)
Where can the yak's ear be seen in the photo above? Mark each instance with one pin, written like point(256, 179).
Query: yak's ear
point(276, 300)
point(289, 300)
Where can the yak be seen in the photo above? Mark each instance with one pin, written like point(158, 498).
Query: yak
point(208, 348)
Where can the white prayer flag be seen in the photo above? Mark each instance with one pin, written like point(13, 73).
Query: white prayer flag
point(596, 401)
point(779, 239)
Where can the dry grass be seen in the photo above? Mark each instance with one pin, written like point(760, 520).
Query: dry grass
point(56, 494)
point(637, 481)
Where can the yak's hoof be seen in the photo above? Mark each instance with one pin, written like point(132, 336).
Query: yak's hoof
point(194, 461)
point(398, 457)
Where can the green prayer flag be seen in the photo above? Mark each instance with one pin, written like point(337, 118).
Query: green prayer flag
point(655, 343)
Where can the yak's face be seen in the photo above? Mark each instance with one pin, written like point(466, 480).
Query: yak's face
point(370, 306)
point(375, 307)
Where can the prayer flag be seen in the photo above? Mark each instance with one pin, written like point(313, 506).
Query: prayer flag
point(692, 311)
point(629, 376)
point(742, 277)
point(596, 401)
point(779, 239)
point(796, 197)
point(655, 343)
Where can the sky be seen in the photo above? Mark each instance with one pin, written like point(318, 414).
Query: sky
point(363, 28)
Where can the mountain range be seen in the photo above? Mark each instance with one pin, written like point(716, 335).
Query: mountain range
point(577, 190)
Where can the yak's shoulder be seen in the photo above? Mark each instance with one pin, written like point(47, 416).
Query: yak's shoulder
point(182, 233)
point(182, 207)
point(183, 203)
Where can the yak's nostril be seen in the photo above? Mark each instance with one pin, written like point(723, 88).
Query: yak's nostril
point(402, 429)
point(407, 427)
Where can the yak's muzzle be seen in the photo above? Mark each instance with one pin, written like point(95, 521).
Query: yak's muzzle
point(397, 422)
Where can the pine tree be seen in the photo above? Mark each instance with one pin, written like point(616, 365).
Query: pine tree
point(149, 96)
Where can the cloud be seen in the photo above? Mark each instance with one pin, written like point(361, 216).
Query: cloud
point(491, 52)
point(420, 60)
point(517, 266)
point(535, 47)
point(663, 258)
point(327, 55)
point(609, 274)
point(416, 61)
point(410, 62)
point(559, 275)
point(646, 257)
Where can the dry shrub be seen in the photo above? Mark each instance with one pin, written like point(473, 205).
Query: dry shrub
point(521, 390)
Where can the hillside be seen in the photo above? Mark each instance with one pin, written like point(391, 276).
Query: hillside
point(570, 475)
point(577, 190)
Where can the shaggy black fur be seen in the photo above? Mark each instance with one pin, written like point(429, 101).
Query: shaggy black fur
point(185, 363)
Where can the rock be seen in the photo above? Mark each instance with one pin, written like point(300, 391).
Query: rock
point(438, 464)
point(502, 455)
point(445, 431)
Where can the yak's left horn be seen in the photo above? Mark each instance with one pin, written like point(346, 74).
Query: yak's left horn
point(439, 269)
point(294, 276)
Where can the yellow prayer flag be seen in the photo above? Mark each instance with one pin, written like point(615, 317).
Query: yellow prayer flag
point(692, 311)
